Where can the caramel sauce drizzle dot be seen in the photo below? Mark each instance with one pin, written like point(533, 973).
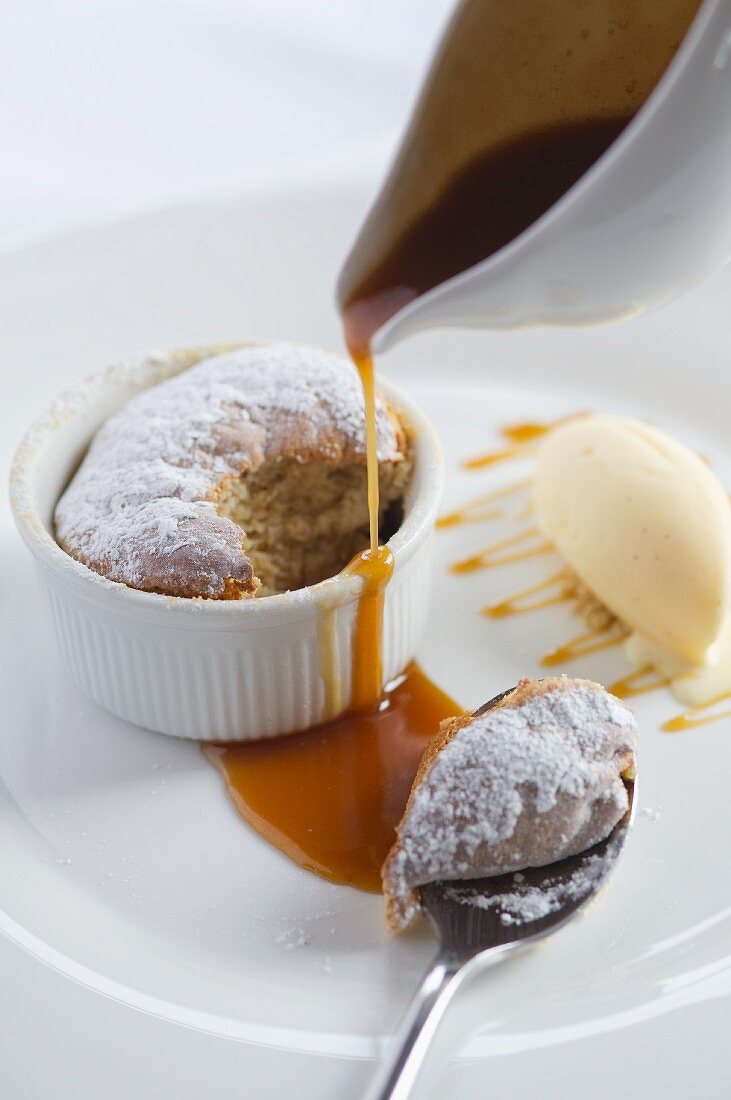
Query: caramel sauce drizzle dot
point(526, 430)
point(592, 641)
point(519, 602)
point(696, 716)
point(638, 683)
point(490, 557)
point(478, 509)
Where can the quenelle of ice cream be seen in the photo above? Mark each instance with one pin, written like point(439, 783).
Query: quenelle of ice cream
point(646, 526)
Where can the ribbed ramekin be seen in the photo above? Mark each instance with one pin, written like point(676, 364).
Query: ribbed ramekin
point(210, 669)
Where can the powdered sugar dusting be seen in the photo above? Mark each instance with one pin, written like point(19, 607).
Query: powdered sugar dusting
point(520, 786)
point(141, 507)
point(527, 903)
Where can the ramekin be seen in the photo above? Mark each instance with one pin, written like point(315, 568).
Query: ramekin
point(208, 669)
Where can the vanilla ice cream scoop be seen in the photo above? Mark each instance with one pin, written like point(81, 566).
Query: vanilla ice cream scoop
point(646, 525)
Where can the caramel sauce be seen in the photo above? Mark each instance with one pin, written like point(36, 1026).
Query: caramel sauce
point(526, 431)
point(364, 364)
point(376, 569)
point(501, 454)
point(591, 641)
point(639, 683)
point(479, 508)
point(374, 566)
point(491, 557)
point(520, 602)
point(697, 716)
point(521, 441)
point(331, 797)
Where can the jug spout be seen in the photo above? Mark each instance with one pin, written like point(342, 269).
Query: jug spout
point(574, 222)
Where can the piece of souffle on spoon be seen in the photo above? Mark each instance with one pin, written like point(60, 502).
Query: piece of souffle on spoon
point(516, 819)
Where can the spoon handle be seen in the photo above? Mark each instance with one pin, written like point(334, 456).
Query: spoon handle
point(396, 1078)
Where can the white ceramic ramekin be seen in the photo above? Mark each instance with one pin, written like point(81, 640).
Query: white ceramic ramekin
point(209, 669)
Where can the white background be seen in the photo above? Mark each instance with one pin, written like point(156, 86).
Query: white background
point(111, 103)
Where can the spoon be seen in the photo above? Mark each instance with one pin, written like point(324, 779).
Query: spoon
point(480, 922)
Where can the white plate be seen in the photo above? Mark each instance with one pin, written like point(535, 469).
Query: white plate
point(152, 945)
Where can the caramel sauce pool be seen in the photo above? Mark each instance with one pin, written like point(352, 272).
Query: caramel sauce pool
point(330, 798)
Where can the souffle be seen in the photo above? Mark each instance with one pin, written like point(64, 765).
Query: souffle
point(535, 778)
point(245, 475)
